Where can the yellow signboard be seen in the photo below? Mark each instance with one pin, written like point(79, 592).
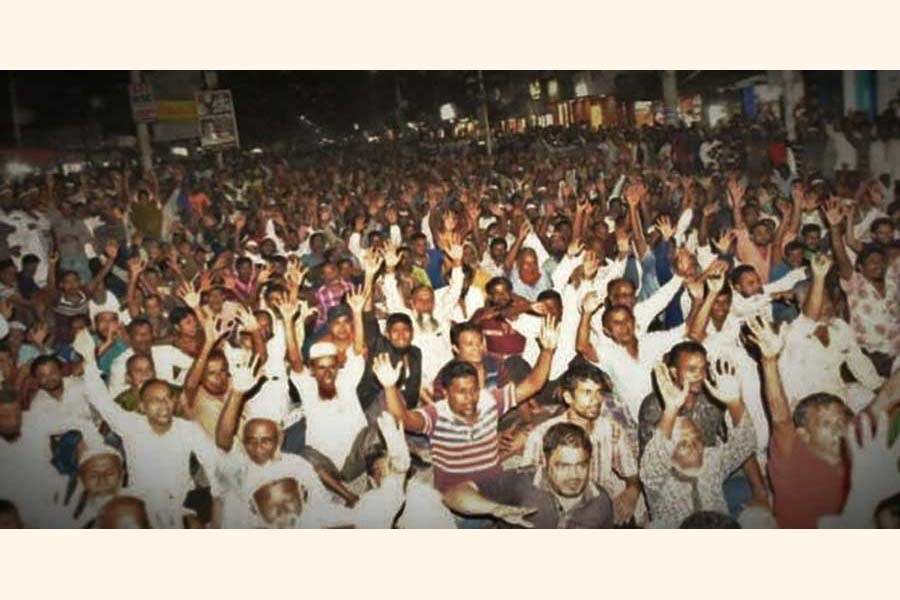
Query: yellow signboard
point(176, 110)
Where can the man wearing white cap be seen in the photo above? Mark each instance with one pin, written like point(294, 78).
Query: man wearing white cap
point(101, 474)
point(337, 432)
point(259, 421)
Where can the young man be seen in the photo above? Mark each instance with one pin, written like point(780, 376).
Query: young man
point(463, 428)
point(681, 474)
point(588, 394)
point(170, 363)
point(560, 494)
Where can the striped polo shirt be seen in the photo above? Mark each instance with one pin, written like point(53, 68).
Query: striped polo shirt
point(462, 452)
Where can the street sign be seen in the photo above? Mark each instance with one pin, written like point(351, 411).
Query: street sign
point(143, 106)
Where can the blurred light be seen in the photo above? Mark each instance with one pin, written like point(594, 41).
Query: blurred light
point(553, 88)
point(17, 169)
point(179, 151)
point(256, 151)
point(581, 89)
point(356, 127)
point(448, 112)
point(534, 89)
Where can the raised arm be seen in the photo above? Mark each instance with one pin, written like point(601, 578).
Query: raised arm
point(698, 322)
point(215, 330)
point(633, 195)
point(110, 252)
point(736, 192)
point(812, 305)
point(537, 378)
point(589, 306)
point(770, 345)
point(834, 216)
point(246, 383)
point(356, 299)
point(517, 245)
point(388, 375)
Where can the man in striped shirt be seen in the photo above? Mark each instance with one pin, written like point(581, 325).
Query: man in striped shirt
point(462, 428)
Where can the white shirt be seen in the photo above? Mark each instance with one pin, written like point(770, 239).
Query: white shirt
point(332, 425)
point(631, 377)
point(807, 366)
point(165, 358)
point(158, 464)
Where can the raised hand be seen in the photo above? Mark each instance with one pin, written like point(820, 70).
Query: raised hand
point(85, 345)
point(395, 440)
point(623, 243)
point(286, 310)
point(821, 264)
point(204, 282)
point(387, 374)
point(873, 461)
point(549, 336)
point(514, 515)
point(723, 242)
point(762, 334)
point(245, 376)
point(664, 225)
point(673, 396)
point(591, 303)
point(136, 266)
point(216, 329)
point(246, 319)
point(265, 274)
point(111, 249)
point(736, 190)
point(371, 264)
point(833, 212)
point(590, 264)
point(188, 295)
point(449, 218)
point(38, 334)
point(356, 300)
point(575, 248)
point(391, 256)
point(454, 249)
point(723, 382)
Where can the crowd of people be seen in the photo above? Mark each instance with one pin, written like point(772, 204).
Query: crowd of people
point(651, 328)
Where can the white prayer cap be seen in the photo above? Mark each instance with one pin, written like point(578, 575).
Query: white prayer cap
point(93, 445)
point(275, 471)
point(261, 407)
point(757, 517)
point(321, 350)
point(110, 304)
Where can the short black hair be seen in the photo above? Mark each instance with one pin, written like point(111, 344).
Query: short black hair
point(395, 318)
point(151, 382)
point(583, 371)
point(793, 245)
point(879, 222)
point(242, 260)
point(179, 314)
point(709, 519)
point(458, 329)
point(7, 263)
point(809, 228)
point(138, 322)
point(617, 281)
point(609, 310)
point(549, 295)
point(40, 361)
point(738, 272)
point(456, 369)
point(497, 241)
point(566, 434)
point(495, 281)
point(29, 259)
point(867, 252)
point(818, 400)
point(685, 347)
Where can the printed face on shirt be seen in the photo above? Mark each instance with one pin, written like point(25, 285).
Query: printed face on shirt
point(101, 475)
point(688, 454)
point(158, 404)
point(279, 503)
point(216, 376)
point(139, 371)
point(586, 399)
point(462, 396)
point(690, 370)
point(568, 470)
point(261, 440)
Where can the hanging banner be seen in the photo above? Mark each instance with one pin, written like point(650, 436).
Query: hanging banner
point(216, 119)
point(176, 110)
point(143, 107)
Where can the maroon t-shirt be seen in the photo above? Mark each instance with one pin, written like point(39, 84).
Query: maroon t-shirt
point(805, 486)
point(501, 339)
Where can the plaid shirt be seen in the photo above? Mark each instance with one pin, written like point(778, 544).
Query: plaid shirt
point(330, 295)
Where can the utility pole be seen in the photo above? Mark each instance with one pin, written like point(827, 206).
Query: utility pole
point(13, 103)
point(211, 79)
point(485, 122)
point(670, 96)
point(143, 134)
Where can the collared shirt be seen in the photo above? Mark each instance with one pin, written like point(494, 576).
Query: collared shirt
point(631, 377)
point(464, 452)
point(707, 415)
point(330, 295)
point(672, 496)
point(875, 319)
point(523, 487)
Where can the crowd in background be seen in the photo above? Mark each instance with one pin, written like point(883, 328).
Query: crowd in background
point(649, 327)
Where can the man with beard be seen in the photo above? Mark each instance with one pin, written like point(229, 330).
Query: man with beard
point(681, 474)
point(561, 497)
point(430, 310)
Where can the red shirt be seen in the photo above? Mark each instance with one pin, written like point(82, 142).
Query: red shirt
point(805, 486)
point(501, 339)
